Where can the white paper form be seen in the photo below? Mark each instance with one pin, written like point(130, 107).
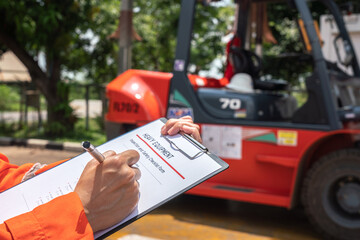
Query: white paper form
point(165, 172)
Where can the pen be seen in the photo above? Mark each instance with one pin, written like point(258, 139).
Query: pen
point(87, 146)
point(196, 143)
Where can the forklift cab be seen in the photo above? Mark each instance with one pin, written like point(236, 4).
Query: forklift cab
point(270, 103)
point(245, 95)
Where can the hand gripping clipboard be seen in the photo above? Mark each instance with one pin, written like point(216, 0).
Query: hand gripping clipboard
point(202, 149)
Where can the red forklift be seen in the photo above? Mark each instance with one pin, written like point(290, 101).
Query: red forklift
point(279, 153)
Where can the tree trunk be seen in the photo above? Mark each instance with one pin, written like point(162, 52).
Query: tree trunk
point(60, 115)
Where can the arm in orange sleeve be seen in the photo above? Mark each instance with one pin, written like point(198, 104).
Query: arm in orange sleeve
point(11, 174)
point(61, 218)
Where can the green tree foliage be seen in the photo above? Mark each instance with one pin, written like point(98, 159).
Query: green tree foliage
point(8, 95)
point(96, 54)
point(156, 22)
point(63, 31)
point(74, 37)
point(211, 24)
point(287, 59)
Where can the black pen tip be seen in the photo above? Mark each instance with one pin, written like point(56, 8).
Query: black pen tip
point(86, 144)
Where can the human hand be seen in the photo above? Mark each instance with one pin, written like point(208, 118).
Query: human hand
point(184, 124)
point(109, 191)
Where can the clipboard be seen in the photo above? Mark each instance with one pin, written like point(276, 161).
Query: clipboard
point(168, 170)
point(202, 150)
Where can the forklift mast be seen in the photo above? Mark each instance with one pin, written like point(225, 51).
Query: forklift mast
point(320, 65)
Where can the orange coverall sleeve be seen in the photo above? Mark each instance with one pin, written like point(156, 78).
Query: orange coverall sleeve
point(61, 218)
point(11, 174)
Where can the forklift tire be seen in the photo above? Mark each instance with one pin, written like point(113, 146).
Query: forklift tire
point(331, 195)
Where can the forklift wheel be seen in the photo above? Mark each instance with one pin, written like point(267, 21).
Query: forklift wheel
point(331, 194)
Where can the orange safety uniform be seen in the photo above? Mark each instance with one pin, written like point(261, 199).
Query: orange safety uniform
point(61, 218)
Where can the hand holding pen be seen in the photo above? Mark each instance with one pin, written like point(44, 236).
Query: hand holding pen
point(112, 187)
point(108, 187)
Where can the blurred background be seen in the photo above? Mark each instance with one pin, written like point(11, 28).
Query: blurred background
point(57, 57)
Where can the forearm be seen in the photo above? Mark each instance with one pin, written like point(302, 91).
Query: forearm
point(10, 174)
point(63, 216)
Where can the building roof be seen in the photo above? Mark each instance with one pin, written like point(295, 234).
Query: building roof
point(12, 69)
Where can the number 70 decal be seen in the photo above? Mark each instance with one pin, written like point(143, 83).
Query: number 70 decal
point(232, 103)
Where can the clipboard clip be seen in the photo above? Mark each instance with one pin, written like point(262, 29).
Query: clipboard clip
point(201, 147)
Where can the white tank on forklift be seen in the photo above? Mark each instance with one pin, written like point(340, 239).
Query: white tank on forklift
point(329, 32)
